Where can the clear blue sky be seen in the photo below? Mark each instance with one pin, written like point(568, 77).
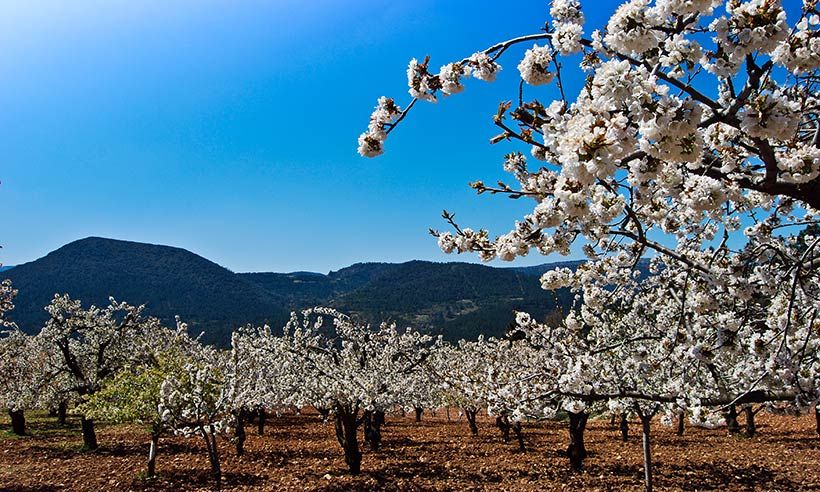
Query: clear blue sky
point(229, 127)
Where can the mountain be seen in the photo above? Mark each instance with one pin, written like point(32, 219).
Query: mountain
point(302, 289)
point(458, 300)
point(168, 280)
point(539, 270)
point(3, 268)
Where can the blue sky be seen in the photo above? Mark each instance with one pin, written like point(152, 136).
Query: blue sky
point(229, 127)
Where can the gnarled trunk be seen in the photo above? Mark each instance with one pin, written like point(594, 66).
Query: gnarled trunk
point(367, 425)
point(89, 435)
point(418, 411)
point(373, 421)
point(213, 457)
point(817, 418)
point(751, 428)
point(18, 422)
point(503, 424)
point(62, 409)
point(519, 435)
point(647, 452)
point(239, 432)
point(576, 450)
point(261, 415)
point(152, 451)
point(731, 420)
point(470, 413)
point(346, 427)
point(378, 422)
point(624, 427)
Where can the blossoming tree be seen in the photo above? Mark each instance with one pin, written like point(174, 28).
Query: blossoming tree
point(196, 401)
point(351, 370)
point(133, 394)
point(89, 346)
point(694, 139)
point(21, 366)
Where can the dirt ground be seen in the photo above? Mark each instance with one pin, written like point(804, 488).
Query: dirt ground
point(301, 453)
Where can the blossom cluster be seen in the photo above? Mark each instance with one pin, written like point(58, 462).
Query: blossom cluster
point(685, 168)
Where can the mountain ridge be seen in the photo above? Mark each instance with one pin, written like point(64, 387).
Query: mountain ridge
point(455, 299)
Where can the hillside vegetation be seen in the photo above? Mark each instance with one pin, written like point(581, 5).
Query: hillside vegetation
point(458, 300)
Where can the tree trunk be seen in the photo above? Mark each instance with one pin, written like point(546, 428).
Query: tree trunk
point(374, 425)
point(213, 457)
point(731, 420)
point(448, 419)
point(18, 422)
point(239, 431)
point(152, 452)
point(419, 411)
point(260, 424)
point(89, 436)
point(681, 420)
point(367, 425)
point(817, 418)
point(647, 452)
point(346, 426)
point(62, 409)
point(516, 427)
point(751, 429)
point(576, 450)
point(503, 424)
point(624, 427)
point(471, 413)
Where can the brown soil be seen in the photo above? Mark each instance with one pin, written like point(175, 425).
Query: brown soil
point(301, 453)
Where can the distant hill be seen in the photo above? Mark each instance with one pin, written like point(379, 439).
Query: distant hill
point(539, 270)
point(3, 268)
point(458, 300)
point(168, 280)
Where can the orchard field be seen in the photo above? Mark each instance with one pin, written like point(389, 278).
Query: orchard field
point(679, 156)
point(298, 452)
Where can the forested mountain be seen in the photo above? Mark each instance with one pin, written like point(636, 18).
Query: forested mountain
point(459, 300)
point(168, 280)
point(455, 299)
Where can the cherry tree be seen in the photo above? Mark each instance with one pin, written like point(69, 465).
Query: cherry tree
point(27, 377)
point(196, 402)
point(461, 370)
point(23, 380)
point(353, 370)
point(89, 346)
point(508, 382)
point(133, 394)
point(259, 377)
point(646, 159)
point(13, 370)
point(419, 392)
point(694, 139)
